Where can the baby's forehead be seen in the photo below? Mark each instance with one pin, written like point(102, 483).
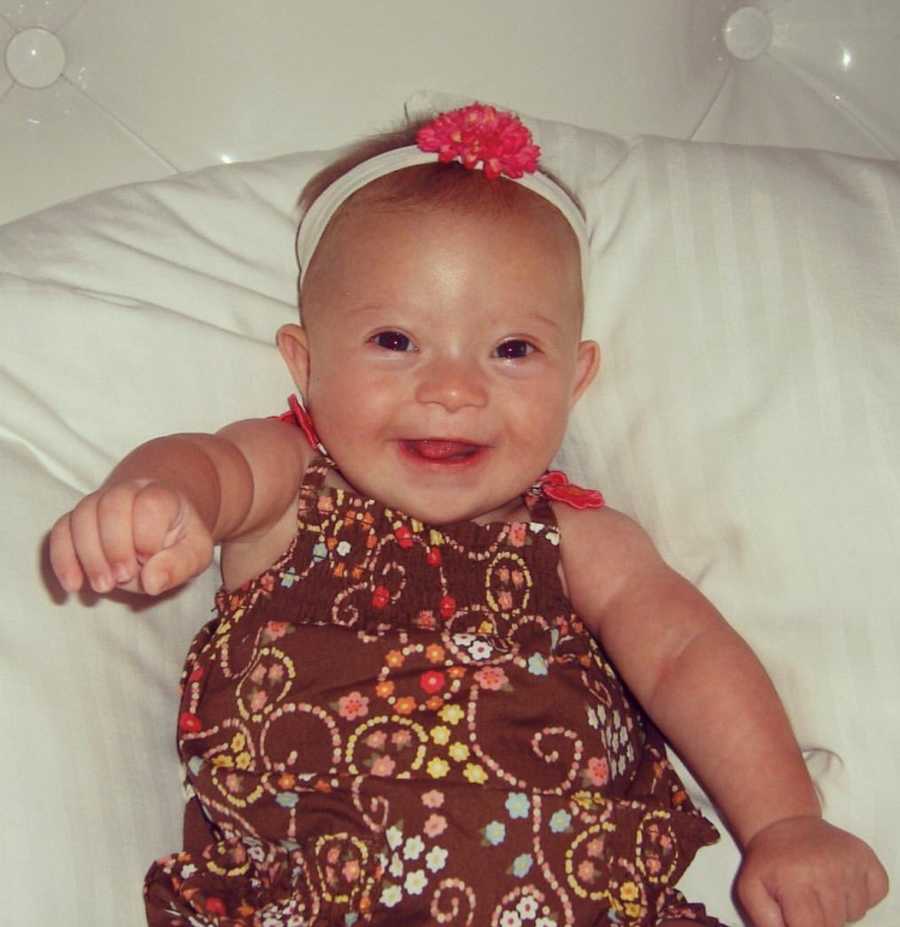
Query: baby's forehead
point(523, 227)
point(499, 203)
point(450, 187)
point(399, 208)
point(522, 260)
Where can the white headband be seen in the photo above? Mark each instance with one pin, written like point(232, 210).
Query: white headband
point(317, 217)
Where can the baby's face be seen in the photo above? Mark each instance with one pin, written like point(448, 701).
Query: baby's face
point(444, 354)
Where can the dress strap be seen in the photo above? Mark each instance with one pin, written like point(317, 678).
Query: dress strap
point(299, 416)
point(317, 470)
point(554, 486)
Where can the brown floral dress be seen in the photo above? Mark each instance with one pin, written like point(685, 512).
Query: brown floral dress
point(396, 724)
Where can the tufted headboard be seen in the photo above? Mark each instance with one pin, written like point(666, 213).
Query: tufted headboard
point(95, 93)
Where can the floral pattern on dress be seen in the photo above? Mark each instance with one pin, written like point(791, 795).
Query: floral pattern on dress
point(396, 723)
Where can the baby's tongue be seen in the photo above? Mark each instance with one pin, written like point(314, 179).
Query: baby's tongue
point(442, 450)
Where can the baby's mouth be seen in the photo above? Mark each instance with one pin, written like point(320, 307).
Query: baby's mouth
point(442, 450)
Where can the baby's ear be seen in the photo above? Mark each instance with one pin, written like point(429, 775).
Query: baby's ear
point(586, 366)
point(293, 344)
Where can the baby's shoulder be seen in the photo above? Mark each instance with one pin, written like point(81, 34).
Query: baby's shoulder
point(600, 551)
point(599, 528)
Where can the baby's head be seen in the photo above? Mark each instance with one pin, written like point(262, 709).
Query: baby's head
point(440, 348)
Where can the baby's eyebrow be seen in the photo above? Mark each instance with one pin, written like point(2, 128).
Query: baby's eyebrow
point(524, 319)
point(363, 309)
point(548, 320)
point(366, 303)
point(537, 319)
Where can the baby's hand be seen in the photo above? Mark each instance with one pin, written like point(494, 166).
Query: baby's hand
point(139, 535)
point(803, 872)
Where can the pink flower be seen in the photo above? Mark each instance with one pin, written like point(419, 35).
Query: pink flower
point(401, 739)
point(426, 620)
point(586, 870)
point(479, 134)
point(433, 799)
point(505, 600)
point(517, 534)
point(376, 740)
point(383, 766)
point(595, 847)
point(598, 771)
point(352, 706)
point(276, 629)
point(491, 677)
point(435, 825)
point(351, 870)
point(258, 700)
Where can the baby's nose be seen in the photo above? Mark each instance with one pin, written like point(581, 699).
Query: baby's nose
point(452, 382)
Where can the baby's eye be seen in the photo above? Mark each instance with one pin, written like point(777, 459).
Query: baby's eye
point(514, 348)
point(392, 341)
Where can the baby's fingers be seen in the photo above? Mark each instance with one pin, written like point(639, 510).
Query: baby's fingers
point(63, 558)
point(877, 883)
point(111, 532)
point(188, 556)
point(866, 885)
point(87, 547)
point(115, 527)
point(762, 909)
point(806, 908)
point(857, 901)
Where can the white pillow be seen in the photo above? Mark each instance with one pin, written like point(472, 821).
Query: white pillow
point(746, 301)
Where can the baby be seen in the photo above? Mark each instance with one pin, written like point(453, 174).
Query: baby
point(418, 701)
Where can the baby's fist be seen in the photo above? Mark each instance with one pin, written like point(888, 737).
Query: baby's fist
point(138, 535)
point(804, 872)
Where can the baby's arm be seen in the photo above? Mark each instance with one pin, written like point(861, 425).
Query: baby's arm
point(153, 523)
point(704, 688)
